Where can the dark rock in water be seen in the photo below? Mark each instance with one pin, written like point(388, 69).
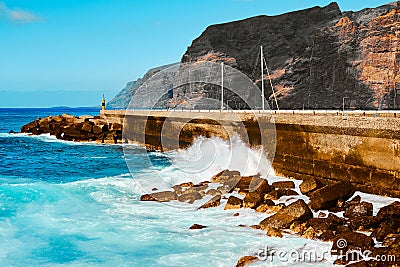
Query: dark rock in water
point(319, 224)
point(391, 211)
point(266, 206)
point(297, 211)
point(284, 185)
point(386, 228)
point(328, 196)
point(233, 203)
point(223, 176)
point(252, 200)
point(246, 260)
point(11, 132)
point(197, 227)
point(327, 236)
point(27, 128)
point(346, 241)
point(392, 241)
point(320, 228)
point(37, 131)
point(247, 184)
point(187, 184)
point(87, 127)
point(189, 197)
point(310, 185)
point(224, 189)
point(360, 209)
point(272, 232)
point(159, 196)
point(287, 192)
point(354, 201)
point(72, 128)
point(214, 202)
point(213, 192)
point(274, 195)
point(335, 220)
point(342, 229)
point(259, 186)
point(362, 223)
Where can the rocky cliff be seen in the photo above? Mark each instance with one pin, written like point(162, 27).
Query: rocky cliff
point(123, 98)
point(316, 56)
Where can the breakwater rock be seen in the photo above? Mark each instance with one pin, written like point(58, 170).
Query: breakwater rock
point(342, 218)
point(78, 129)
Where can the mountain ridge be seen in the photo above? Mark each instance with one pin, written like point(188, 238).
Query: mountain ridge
point(317, 57)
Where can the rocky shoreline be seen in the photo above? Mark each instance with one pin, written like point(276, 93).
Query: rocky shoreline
point(333, 214)
point(77, 129)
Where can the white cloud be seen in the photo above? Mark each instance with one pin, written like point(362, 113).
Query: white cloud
point(18, 15)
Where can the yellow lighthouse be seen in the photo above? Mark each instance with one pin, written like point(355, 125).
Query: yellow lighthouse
point(103, 103)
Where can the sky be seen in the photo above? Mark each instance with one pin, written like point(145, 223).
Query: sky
point(70, 52)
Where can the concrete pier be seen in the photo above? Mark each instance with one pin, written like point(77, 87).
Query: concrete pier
point(362, 147)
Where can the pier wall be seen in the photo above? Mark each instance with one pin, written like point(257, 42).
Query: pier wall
point(363, 148)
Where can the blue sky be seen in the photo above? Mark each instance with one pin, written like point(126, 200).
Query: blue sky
point(81, 49)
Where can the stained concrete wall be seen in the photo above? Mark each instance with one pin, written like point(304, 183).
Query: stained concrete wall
point(363, 148)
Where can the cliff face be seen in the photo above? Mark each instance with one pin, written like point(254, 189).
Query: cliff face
point(123, 98)
point(316, 56)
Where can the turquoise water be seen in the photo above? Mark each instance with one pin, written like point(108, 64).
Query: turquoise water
point(74, 204)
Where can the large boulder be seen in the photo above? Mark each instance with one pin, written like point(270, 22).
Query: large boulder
point(223, 176)
point(252, 200)
point(189, 197)
point(214, 202)
point(346, 241)
point(362, 223)
point(386, 228)
point(28, 128)
point(233, 203)
point(360, 209)
point(259, 185)
point(297, 211)
point(164, 196)
point(328, 196)
point(309, 185)
point(389, 212)
point(87, 127)
point(247, 184)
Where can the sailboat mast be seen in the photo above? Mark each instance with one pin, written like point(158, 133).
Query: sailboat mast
point(222, 86)
point(262, 81)
point(262, 78)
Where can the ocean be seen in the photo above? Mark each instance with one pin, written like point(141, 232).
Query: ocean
point(77, 204)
